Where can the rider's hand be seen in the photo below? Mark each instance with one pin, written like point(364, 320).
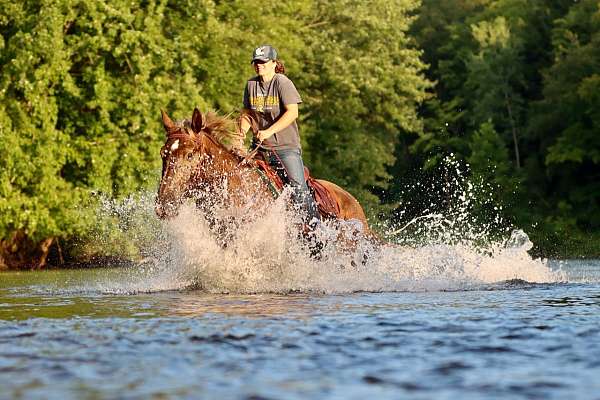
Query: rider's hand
point(262, 135)
point(239, 152)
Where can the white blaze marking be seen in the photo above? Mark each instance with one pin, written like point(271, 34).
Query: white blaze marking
point(175, 145)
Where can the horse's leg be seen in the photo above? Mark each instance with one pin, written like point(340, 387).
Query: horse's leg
point(217, 226)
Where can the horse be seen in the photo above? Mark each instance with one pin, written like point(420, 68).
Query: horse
point(197, 164)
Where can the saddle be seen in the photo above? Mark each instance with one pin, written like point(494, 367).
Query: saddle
point(326, 203)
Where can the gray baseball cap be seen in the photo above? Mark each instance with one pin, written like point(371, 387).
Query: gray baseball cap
point(264, 53)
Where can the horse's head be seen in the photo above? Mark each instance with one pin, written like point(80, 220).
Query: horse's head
point(195, 159)
point(181, 156)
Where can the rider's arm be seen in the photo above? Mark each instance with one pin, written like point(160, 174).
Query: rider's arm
point(289, 116)
point(242, 129)
point(244, 122)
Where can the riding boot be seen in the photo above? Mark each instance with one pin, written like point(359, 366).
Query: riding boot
point(313, 217)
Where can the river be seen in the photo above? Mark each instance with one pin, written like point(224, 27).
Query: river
point(94, 334)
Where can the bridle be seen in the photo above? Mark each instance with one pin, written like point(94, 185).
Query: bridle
point(183, 133)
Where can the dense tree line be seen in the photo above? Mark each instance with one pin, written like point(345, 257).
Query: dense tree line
point(516, 98)
point(508, 86)
point(82, 84)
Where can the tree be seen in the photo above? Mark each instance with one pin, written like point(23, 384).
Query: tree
point(490, 61)
point(82, 83)
point(363, 82)
point(495, 77)
point(81, 86)
point(567, 118)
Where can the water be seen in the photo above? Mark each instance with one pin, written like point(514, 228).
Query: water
point(64, 334)
point(445, 312)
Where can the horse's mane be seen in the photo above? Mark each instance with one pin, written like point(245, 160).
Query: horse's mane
point(220, 128)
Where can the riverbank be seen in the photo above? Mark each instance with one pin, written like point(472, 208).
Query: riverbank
point(54, 256)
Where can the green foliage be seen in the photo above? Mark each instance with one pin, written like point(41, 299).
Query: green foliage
point(82, 84)
point(567, 118)
point(70, 70)
point(495, 77)
point(489, 157)
point(362, 84)
point(509, 86)
point(490, 163)
point(517, 97)
point(571, 89)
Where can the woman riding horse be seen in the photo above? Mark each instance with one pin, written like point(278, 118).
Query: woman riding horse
point(198, 164)
point(273, 99)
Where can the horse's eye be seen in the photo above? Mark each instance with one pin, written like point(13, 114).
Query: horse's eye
point(190, 156)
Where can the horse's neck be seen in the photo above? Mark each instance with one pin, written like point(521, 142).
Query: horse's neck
point(226, 164)
point(216, 150)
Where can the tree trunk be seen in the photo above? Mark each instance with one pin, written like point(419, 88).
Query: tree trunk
point(513, 128)
point(20, 252)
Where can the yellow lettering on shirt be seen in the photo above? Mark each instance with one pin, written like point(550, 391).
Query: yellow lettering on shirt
point(264, 102)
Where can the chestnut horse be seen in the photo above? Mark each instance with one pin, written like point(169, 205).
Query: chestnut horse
point(198, 165)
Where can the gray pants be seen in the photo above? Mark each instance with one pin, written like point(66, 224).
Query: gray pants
point(289, 166)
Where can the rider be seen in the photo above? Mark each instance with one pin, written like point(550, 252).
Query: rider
point(274, 99)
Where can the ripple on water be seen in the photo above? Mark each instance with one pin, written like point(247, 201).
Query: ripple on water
point(514, 342)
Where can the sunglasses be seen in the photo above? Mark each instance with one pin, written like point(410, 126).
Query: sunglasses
point(260, 62)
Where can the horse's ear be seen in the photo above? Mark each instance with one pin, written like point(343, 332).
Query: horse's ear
point(197, 121)
point(168, 124)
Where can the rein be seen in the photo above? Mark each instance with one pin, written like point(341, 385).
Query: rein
point(269, 148)
point(249, 157)
point(183, 133)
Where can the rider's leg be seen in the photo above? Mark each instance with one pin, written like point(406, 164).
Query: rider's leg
point(294, 172)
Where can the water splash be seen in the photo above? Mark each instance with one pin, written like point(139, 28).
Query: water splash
point(440, 251)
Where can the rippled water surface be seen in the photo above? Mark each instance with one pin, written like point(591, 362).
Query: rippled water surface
point(61, 337)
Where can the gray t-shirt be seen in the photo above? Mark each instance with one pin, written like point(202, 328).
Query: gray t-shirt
point(269, 99)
